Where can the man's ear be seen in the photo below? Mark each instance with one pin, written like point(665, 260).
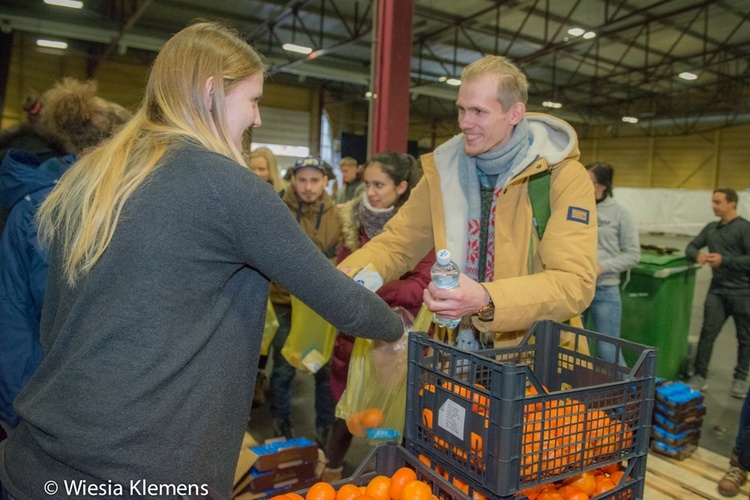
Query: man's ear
point(209, 93)
point(517, 112)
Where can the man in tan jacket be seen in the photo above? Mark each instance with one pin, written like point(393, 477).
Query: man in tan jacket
point(474, 201)
point(316, 213)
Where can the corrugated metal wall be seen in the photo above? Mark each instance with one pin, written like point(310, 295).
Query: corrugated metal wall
point(698, 161)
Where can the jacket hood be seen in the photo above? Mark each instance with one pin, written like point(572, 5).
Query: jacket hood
point(606, 202)
point(349, 219)
point(22, 174)
point(552, 140)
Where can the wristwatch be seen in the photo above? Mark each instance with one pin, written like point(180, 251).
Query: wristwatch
point(487, 312)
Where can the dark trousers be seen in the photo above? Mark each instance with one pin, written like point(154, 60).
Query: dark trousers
point(282, 375)
point(716, 310)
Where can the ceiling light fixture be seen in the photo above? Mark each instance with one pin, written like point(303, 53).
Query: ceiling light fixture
point(552, 104)
point(686, 75)
point(71, 4)
point(589, 35)
point(576, 31)
point(300, 49)
point(630, 119)
point(51, 44)
point(453, 81)
point(442, 79)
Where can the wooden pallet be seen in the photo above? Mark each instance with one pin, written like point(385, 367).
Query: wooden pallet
point(692, 478)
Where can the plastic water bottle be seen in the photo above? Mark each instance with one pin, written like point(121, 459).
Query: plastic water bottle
point(444, 274)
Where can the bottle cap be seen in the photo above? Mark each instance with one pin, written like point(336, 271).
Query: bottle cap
point(444, 257)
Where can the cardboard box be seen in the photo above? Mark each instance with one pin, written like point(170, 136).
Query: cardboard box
point(249, 495)
point(279, 478)
point(244, 464)
point(275, 454)
point(279, 454)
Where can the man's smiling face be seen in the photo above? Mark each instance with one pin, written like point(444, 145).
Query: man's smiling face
point(484, 122)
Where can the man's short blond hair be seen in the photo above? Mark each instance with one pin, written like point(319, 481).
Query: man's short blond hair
point(512, 85)
point(348, 161)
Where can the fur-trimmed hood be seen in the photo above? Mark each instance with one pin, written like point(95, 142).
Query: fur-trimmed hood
point(349, 218)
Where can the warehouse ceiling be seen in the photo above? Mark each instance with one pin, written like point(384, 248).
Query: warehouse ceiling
point(626, 62)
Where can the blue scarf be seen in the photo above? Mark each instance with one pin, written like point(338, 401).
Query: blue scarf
point(492, 168)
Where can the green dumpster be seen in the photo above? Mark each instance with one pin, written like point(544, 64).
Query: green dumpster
point(657, 302)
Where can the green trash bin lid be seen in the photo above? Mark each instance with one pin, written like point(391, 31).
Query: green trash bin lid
point(662, 265)
point(658, 259)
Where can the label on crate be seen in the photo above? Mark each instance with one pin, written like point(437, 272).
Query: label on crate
point(452, 418)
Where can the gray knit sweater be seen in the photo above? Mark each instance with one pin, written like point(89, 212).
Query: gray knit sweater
point(150, 359)
point(619, 248)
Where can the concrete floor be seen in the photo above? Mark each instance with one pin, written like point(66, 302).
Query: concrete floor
point(720, 423)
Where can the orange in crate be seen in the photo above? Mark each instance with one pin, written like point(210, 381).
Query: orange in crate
point(416, 490)
point(321, 491)
point(585, 481)
point(378, 488)
point(399, 479)
point(348, 492)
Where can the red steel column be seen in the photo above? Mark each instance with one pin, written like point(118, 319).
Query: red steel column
point(392, 75)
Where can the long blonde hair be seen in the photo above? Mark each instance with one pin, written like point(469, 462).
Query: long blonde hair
point(82, 212)
point(273, 166)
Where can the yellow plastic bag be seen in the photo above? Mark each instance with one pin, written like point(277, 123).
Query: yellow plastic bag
point(423, 321)
point(374, 401)
point(310, 342)
point(272, 324)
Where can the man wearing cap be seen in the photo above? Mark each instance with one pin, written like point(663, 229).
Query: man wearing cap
point(315, 212)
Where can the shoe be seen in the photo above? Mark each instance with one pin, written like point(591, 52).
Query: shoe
point(259, 396)
point(698, 383)
point(282, 428)
point(332, 475)
point(739, 388)
point(730, 484)
point(321, 464)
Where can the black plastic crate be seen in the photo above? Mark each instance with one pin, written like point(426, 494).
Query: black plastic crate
point(485, 417)
point(387, 459)
point(630, 487)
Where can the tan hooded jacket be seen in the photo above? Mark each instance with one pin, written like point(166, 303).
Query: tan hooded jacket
point(319, 221)
point(552, 279)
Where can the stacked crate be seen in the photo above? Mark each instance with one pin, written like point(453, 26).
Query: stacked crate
point(501, 421)
point(678, 416)
point(497, 423)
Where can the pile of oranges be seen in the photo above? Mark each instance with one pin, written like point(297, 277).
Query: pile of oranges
point(558, 434)
point(363, 420)
point(579, 487)
point(402, 485)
